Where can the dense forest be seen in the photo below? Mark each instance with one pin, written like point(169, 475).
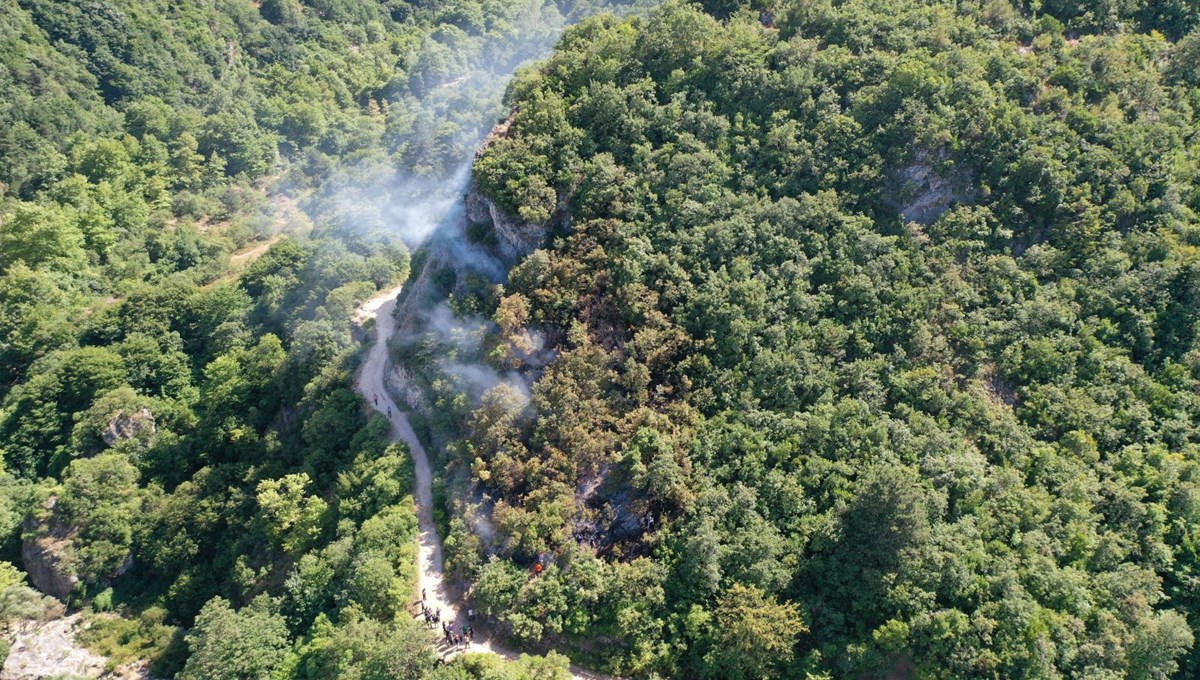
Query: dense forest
point(194, 198)
point(854, 338)
point(863, 341)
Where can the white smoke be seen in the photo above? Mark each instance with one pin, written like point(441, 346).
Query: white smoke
point(464, 334)
point(451, 104)
point(436, 120)
point(476, 379)
point(422, 205)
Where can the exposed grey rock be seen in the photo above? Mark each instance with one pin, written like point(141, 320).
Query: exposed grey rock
point(50, 650)
point(514, 239)
point(44, 562)
point(479, 208)
point(922, 195)
point(399, 381)
point(129, 425)
point(47, 553)
point(44, 556)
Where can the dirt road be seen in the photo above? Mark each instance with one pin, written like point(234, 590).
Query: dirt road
point(430, 572)
point(371, 387)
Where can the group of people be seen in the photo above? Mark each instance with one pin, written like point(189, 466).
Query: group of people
point(464, 635)
point(430, 614)
point(455, 635)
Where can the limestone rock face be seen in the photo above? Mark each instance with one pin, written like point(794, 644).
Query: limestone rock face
point(50, 650)
point(129, 425)
point(43, 560)
point(514, 239)
point(44, 556)
point(921, 194)
point(48, 554)
point(479, 207)
point(399, 381)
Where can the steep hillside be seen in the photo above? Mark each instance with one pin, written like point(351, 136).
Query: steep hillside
point(870, 345)
point(194, 198)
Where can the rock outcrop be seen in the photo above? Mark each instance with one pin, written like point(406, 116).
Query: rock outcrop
point(50, 651)
point(48, 554)
point(44, 554)
point(514, 239)
point(399, 381)
point(452, 261)
point(129, 425)
point(921, 194)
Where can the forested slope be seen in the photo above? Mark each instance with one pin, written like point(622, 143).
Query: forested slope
point(866, 342)
point(179, 443)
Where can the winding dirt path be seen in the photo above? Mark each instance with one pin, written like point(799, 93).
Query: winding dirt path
point(371, 387)
point(430, 573)
point(244, 257)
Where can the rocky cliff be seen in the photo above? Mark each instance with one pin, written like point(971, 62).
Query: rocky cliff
point(48, 553)
point(514, 239)
point(45, 555)
point(481, 242)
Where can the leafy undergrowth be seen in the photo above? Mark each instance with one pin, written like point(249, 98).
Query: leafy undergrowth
point(147, 637)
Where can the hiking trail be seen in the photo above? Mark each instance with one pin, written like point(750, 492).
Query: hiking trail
point(430, 572)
